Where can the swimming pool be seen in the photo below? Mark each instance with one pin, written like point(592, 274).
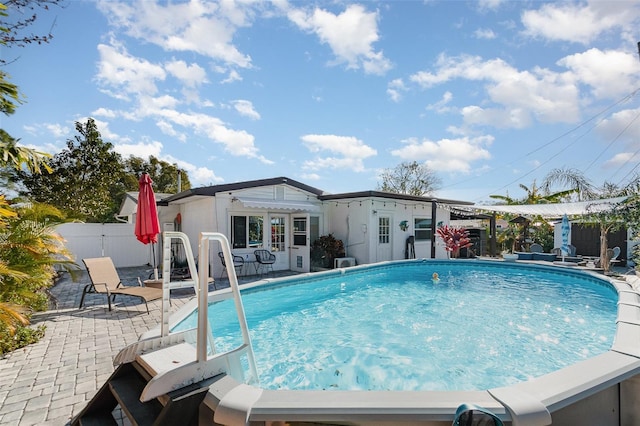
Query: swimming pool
point(599, 389)
point(392, 327)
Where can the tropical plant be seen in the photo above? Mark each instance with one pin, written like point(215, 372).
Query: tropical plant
point(29, 249)
point(325, 249)
point(454, 238)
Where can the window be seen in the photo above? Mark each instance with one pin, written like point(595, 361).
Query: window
point(384, 230)
point(246, 231)
point(314, 228)
point(422, 228)
point(277, 233)
point(299, 231)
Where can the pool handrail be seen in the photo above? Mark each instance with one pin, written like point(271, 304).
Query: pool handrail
point(203, 299)
point(203, 365)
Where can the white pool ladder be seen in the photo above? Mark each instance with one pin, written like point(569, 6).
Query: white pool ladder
point(205, 364)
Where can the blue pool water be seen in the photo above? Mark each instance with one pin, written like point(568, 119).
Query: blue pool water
point(482, 325)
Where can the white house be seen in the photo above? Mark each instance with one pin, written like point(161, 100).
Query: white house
point(285, 216)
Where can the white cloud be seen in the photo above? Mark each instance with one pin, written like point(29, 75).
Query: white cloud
point(140, 149)
point(441, 105)
point(245, 108)
point(350, 35)
point(166, 128)
point(57, 130)
point(206, 28)
point(484, 34)
point(579, 23)
point(446, 155)
point(190, 75)
point(611, 74)
point(198, 176)
point(490, 4)
point(351, 151)
point(120, 71)
point(622, 127)
point(518, 96)
point(104, 112)
point(395, 88)
point(233, 76)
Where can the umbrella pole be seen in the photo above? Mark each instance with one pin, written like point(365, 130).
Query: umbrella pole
point(155, 269)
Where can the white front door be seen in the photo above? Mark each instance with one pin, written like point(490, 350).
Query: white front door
point(384, 249)
point(300, 250)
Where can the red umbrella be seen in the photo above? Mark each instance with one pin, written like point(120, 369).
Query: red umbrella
point(147, 223)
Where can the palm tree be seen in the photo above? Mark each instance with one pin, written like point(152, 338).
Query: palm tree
point(619, 215)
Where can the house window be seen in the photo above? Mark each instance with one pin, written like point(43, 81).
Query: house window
point(299, 231)
point(247, 231)
point(422, 228)
point(277, 233)
point(384, 230)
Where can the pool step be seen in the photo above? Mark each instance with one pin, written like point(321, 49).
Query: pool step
point(124, 388)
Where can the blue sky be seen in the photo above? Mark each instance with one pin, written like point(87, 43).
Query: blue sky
point(489, 94)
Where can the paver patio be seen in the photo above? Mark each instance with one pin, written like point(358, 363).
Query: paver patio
point(49, 382)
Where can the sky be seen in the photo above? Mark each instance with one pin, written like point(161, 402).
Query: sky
point(487, 94)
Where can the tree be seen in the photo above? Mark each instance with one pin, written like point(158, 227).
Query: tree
point(12, 31)
point(87, 178)
point(535, 195)
point(163, 174)
point(11, 34)
point(409, 178)
point(612, 217)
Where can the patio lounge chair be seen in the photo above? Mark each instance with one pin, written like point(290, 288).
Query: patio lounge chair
point(105, 280)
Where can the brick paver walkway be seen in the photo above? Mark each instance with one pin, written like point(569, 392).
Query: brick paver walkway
point(49, 382)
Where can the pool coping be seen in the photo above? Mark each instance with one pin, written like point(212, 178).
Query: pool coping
point(526, 403)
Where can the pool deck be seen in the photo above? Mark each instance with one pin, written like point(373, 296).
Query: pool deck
point(49, 382)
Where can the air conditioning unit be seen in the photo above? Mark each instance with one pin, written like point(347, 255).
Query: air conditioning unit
point(344, 262)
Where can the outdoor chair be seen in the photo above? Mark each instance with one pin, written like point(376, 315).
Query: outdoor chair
point(238, 264)
point(265, 260)
point(105, 280)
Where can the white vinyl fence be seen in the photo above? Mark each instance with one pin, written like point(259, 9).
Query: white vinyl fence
point(114, 240)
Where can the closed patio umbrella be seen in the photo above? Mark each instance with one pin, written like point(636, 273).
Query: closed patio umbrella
point(147, 223)
point(565, 228)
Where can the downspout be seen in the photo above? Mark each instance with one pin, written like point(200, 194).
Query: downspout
point(493, 236)
point(434, 209)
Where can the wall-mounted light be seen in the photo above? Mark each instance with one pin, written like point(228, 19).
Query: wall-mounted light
point(375, 212)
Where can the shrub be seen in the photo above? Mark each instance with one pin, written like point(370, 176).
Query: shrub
point(19, 338)
point(324, 250)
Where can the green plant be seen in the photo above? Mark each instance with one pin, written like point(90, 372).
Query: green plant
point(29, 249)
point(324, 250)
point(19, 337)
point(454, 239)
point(635, 257)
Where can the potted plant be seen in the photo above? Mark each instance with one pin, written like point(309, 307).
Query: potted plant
point(454, 239)
point(507, 238)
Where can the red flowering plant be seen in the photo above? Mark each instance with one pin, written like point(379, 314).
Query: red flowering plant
point(454, 239)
